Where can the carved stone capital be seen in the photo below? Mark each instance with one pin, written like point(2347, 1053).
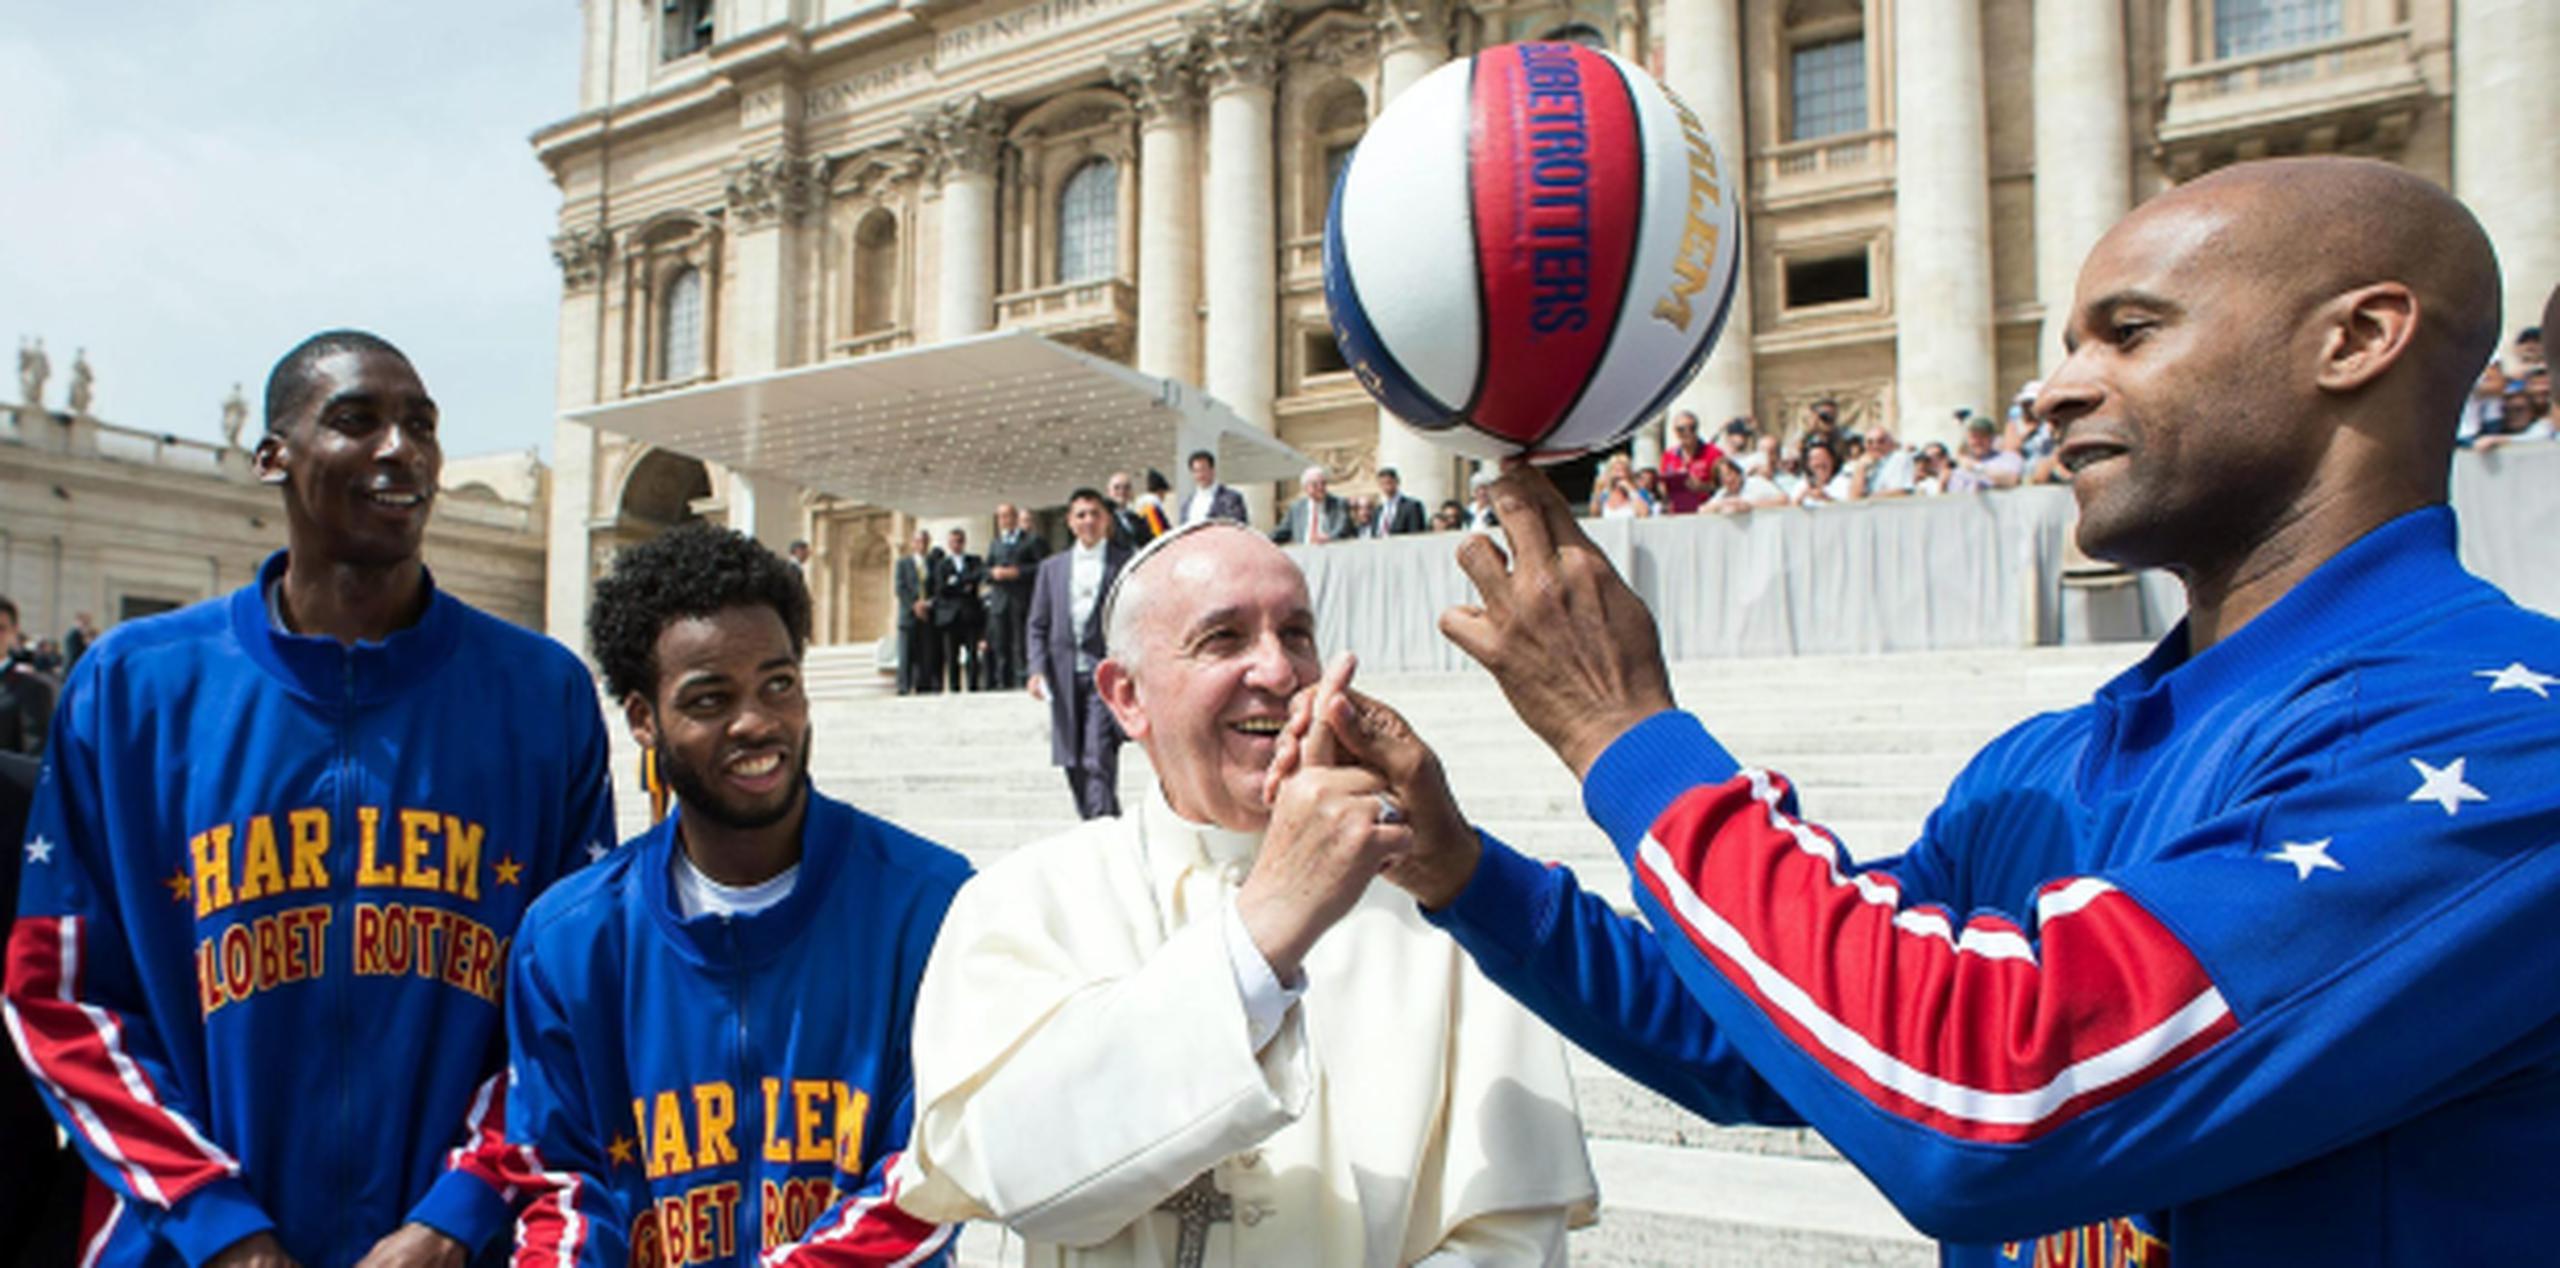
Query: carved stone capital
point(1162, 80)
point(1239, 44)
point(581, 252)
point(771, 187)
point(1412, 23)
point(959, 136)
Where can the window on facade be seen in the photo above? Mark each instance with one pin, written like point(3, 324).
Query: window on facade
point(684, 28)
point(680, 327)
point(134, 607)
point(1323, 355)
point(1827, 87)
point(2245, 27)
point(875, 274)
point(1089, 223)
point(1833, 279)
point(1336, 157)
point(1337, 114)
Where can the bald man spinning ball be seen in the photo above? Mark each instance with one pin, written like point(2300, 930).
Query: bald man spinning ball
point(2248, 960)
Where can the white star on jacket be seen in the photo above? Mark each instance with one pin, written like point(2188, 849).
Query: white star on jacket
point(596, 851)
point(2443, 785)
point(2515, 677)
point(39, 851)
point(2307, 857)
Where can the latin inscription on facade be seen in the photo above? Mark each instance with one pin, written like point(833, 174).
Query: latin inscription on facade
point(963, 44)
point(863, 87)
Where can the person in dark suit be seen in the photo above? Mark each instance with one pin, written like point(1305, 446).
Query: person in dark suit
point(1011, 562)
point(1317, 517)
point(959, 616)
point(1065, 631)
point(1397, 515)
point(26, 694)
point(1129, 527)
point(1208, 499)
point(919, 650)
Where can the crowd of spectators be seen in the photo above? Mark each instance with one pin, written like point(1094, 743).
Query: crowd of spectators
point(1745, 468)
point(2512, 400)
point(1741, 468)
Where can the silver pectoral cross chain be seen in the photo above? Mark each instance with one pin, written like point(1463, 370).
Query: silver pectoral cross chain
point(1197, 1205)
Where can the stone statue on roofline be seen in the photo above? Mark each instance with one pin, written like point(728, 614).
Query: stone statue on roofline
point(235, 415)
point(33, 370)
point(84, 384)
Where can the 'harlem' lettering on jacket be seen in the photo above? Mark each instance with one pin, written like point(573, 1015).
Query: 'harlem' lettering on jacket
point(805, 1120)
point(425, 851)
point(683, 1130)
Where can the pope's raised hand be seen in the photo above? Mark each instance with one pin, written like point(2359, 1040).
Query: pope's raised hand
point(1326, 841)
point(1331, 724)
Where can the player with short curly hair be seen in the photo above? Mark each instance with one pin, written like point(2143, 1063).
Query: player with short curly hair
point(633, 983)
point(693, 569)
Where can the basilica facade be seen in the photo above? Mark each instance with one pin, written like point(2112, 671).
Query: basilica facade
point(754, 185)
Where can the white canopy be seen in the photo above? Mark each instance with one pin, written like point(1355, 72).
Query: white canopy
point(954, 428)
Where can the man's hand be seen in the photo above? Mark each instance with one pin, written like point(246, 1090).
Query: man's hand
point(415, 1246)
point(1575, 650)
point(1325, 844)
point(1332, 724)
point(1039, 690)
point(259, 1250)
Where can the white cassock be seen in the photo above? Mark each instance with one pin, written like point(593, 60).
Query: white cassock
point(1082, 1055)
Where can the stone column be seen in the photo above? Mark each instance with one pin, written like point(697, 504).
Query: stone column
point(767, 196)
point(2082, 132)
point(1413, 41)
point(1942, 342)
point(766, 508)
point(1164, 82)
point(960, 139)
point(582, 253)
point(1702, 65)
point(1239, 47)
point(2506, 153)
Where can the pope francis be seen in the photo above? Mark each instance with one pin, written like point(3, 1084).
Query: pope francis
point(1200, 1034)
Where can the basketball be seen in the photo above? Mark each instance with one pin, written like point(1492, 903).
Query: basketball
point(1531, 251)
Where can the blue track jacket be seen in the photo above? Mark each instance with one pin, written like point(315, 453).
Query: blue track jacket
point(269, 888)
point(719, 1089)
point(2250, 960)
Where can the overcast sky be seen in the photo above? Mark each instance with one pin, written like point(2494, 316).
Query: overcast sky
point(187, 189)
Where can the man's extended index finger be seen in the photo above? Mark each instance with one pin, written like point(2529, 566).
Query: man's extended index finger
point(1524, 520)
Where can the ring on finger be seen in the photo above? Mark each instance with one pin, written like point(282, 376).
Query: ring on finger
point(1388, 811)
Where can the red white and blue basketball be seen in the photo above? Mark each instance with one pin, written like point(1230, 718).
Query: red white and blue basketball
point(1531, 251)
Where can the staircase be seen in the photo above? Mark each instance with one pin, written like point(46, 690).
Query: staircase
point(1871, 743)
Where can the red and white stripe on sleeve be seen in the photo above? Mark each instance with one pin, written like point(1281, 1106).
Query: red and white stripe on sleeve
point(868, 1231)
point(551, 1230)
point(484, 1153)
point(1979, 1031)
point(77, 1050)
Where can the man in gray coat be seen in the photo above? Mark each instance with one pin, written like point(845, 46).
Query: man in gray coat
point(1065, 636)
point(1317, 517)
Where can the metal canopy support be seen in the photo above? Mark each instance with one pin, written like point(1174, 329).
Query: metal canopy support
point(953, 428)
